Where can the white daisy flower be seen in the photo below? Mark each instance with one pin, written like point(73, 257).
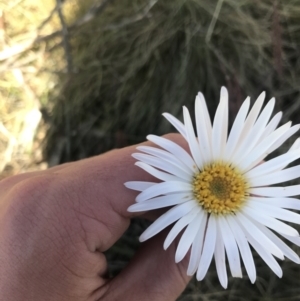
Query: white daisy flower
point(220, 193)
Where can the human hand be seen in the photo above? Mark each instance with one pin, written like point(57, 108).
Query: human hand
point(56, 224)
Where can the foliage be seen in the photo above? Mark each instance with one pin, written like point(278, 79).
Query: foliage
point(139, 59)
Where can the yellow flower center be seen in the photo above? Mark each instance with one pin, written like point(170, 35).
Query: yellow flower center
point(220, 188)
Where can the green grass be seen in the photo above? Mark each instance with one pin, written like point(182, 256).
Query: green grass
point(126, 73)
point(125, 76)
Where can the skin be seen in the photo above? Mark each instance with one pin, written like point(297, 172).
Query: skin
point(55, 224)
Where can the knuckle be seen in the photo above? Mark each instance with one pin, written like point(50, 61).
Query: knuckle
point(24, 206)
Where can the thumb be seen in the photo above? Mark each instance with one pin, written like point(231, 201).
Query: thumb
point(151, 275)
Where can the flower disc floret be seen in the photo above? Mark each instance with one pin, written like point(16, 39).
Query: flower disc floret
point(220, 188)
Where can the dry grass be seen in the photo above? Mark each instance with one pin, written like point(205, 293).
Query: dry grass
point(104, 83)
point(23, 86)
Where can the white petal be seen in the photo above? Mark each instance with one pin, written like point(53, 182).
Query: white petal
point(204, 128)
point(265, 115)
point(197, 247)
point(174, 149)
point(179, 225)
point(156, 173)
point(255, 133)
point(276, 191)
point(205, 114)
point(244, 247)
point(274, 164)
point(188, 237)
point(274, 211)
point(262, 149)
point(192, 141)
point(294, 239)
point(271, 126)
point(160, 202)
point(236, 129)
point(266, 256)
point(269, 221)
point(220, 126)
point(286, 250)
point(163, 188)
point(231, 247)
point(296, 145)
point(277, 177)
point(252, 231)
point(178, 125)
point(164, 165)
point(220, 260)
point(167, 219)
point(282, 139)
point(208, 248)
point(166, 156)
point(251, 118)
point(139, 185)
point(289, 203)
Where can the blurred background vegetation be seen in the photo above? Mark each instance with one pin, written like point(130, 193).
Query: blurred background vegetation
point(81, 77)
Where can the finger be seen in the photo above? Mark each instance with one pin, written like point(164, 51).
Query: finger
point(8, 183)
point(151, 275)
point(118, 167)
point(93, 189)
point(99, 191)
